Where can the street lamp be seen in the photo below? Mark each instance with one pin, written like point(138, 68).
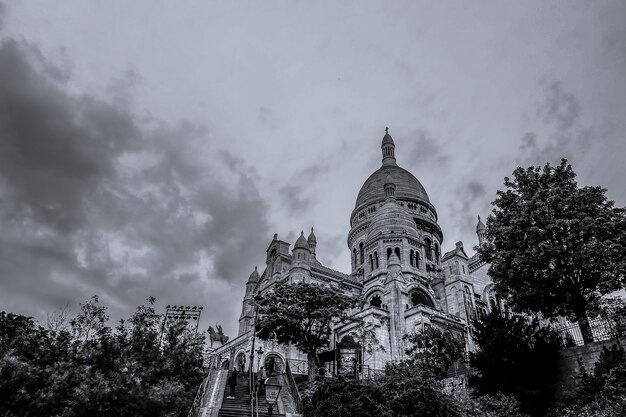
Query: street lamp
point(272, 390)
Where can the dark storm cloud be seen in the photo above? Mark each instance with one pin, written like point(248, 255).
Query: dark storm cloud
point(93, 200)
point(564, 136)
point(56, 150)
point(426, 150)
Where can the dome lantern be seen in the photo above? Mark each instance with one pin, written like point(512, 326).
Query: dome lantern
point(388, 148)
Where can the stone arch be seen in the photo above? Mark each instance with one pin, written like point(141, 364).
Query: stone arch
point(240, 360)
point(428, 249)
point(225, 364)
point(274, 362)
point(375, 292)
point(418, 296)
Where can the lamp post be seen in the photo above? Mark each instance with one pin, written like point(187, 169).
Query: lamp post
point(272, 390)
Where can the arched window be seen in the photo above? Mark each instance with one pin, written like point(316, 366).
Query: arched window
point(371, 262)
point(376, 301)
point(397, 251)
point(354, 253)
point(417, 259)
point(418, 297)
point(428, 249)
point(389, 252)
point(437, 253)
point(411, 257)
point(362, 252)
point(376, 256)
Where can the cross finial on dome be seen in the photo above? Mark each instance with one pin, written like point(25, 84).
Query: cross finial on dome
point(386, 130)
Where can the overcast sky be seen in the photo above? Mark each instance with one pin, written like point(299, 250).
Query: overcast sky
point(154, 147)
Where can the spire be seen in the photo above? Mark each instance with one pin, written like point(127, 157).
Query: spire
point(388, 148)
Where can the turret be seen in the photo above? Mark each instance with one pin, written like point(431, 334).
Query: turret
point(480, 231)
point(247, 309)
point(312, 241)
point(388, 148)
point(301, 250)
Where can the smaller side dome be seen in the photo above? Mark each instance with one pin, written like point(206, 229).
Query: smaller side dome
point(312, 238)
point(480, 227)
point(254, 276)
point(301, 243)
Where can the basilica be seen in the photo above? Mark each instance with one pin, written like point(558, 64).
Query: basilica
point(404, 281)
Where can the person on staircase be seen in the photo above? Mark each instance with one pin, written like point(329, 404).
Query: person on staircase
point(232, 383)
point(261, 377)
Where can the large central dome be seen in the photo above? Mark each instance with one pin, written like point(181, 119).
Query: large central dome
point(407, 186)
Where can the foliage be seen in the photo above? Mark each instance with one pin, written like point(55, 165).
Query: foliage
point(516, 357)
point(498, 405)
point(412, 387)
point(301, 314)
point(92, 369)
point(601, 392)
point(434, 351)
point(554, 247)
point(344, 398)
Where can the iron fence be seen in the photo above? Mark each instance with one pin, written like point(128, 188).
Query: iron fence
point(602, 328)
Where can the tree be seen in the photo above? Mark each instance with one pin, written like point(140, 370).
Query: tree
point(516, 357)
point(434, 351)
point(302, 314)
point(413, 387)
point(97, 370)
point(554, 247)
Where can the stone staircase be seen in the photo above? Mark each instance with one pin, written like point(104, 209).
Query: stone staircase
point(240, 406)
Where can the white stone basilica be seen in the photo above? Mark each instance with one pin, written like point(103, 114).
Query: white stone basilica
point(398, 271)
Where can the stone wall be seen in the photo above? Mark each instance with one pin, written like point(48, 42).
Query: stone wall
point(586, 355)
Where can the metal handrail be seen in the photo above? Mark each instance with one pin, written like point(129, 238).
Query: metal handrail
point(197, 401)
point(300, 366)
point(293, 388)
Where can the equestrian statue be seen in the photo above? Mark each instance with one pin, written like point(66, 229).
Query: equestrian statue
point(217, 336)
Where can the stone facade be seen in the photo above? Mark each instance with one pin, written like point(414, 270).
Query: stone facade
point(397, 270)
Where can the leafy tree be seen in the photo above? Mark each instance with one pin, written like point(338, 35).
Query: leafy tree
point(345, 398)
point(434, 351)
point(302, 314)
point(96, 370)
point(555, 247)
point(413, 387)
point(516, 357)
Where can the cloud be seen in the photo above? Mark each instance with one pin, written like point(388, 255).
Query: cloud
point(470, 199)
point(426, 150)
point(291, 195)
point(95, 200)
point(562, 133)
